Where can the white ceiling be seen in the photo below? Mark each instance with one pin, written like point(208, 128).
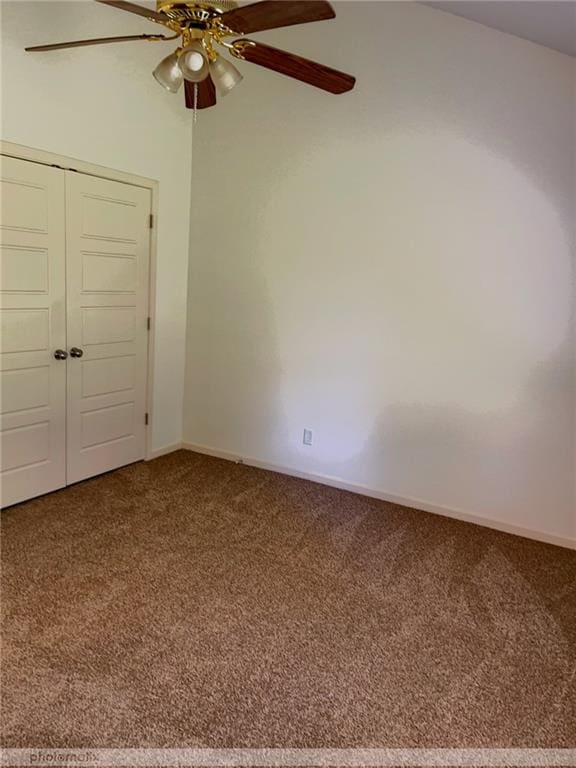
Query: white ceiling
point(549, 22)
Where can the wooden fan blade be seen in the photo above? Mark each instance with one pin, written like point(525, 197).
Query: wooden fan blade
point(122, 5)
point(95, 41)
point(270, 14)
point(295, 66)
point(206, 94)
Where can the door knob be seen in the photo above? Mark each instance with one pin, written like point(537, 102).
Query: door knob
point(60, 354)
point(76, 352)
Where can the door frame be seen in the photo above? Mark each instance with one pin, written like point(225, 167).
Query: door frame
point(43, 157)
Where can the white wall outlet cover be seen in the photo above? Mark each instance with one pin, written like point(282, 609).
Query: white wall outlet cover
point(307, 437)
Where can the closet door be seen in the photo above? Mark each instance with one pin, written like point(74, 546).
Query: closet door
point(108, 246)
point(32, 330)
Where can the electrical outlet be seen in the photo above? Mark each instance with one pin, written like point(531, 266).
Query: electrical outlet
point(307, 438)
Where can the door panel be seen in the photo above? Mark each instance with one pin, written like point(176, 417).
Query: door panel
point(32, 326)
point(24, 270)
point(108, 325)
point(107, 281)
point(25, 388)
point(26, 447)
point(108, 375)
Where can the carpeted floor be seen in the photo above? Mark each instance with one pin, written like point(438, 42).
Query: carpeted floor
point(193, 602)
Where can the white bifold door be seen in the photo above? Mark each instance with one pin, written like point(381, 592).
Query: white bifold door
point(107, 306)
point(32, 328)
point(74, 254)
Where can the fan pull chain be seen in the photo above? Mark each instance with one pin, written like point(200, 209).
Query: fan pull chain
point(194, 114)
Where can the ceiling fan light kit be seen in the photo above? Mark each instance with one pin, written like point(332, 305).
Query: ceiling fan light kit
point(204, 25)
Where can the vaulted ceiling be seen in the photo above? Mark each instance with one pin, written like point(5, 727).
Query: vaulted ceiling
point(549, 22)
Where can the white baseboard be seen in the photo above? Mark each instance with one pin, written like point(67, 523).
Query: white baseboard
point(404, 501)
point(157, 452)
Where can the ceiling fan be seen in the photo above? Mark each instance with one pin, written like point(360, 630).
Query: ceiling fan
point(204, 24)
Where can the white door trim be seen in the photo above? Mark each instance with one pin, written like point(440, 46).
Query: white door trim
point(43, 157)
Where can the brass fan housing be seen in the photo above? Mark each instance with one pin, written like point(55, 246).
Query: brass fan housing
point(195, 19)
point(199, 20)
point(190, 10)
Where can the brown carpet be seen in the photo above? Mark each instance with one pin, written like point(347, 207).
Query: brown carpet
point(193, 602)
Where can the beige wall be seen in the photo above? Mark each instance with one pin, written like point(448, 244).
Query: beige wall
point(391, 268)
point(102, 105)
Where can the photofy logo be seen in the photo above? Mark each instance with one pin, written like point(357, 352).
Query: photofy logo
point(60, 757)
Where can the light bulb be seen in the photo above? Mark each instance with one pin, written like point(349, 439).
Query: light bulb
point(193, 62)
point(169, 74)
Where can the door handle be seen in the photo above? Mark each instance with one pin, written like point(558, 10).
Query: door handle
point(60, 354)
point(76, 352)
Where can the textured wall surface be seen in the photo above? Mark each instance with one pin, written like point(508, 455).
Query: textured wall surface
point(392, 268)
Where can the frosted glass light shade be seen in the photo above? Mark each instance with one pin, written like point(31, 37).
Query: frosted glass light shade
point(225, 75)
point(169, 74)
point(194, 62)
